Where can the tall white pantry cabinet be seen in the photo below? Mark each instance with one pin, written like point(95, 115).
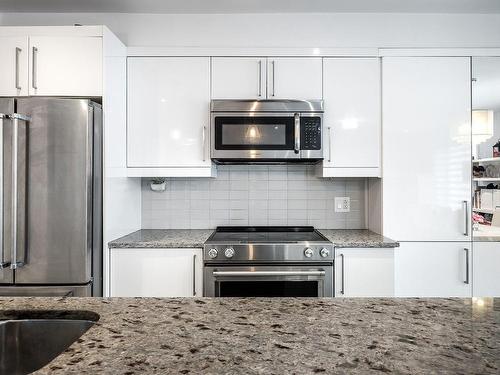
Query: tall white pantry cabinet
point(427, 176)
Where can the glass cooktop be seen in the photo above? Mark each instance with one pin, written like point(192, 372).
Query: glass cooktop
point(266, 234)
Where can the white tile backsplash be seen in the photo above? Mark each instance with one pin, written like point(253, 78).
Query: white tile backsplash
point(254, 195)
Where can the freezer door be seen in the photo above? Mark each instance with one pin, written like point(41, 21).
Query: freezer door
point(59, 192)
point(6, 274)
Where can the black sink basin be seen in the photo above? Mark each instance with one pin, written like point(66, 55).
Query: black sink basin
point(33, 339)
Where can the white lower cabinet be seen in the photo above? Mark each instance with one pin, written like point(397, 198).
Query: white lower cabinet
point(433, 269)
point(364, 272)
point(486, 269)
point(156, 272)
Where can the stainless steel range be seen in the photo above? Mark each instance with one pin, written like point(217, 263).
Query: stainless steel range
point(268, 262)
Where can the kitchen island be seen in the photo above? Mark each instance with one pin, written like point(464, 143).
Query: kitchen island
point(280, 335)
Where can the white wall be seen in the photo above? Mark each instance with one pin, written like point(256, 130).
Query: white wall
point(285, 30)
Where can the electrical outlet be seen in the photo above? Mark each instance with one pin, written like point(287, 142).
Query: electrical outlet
point(342, 204)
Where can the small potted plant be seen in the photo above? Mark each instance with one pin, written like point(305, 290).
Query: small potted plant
point(158, 184)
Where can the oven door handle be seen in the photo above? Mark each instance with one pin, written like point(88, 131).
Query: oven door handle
point(268, 273)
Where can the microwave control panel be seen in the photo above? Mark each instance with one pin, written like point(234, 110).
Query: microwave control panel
point(310, 133)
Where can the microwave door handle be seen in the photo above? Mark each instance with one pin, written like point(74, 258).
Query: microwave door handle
point(297, 133)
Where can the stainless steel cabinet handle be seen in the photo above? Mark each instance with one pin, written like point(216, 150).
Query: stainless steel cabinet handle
point(34, 69)
point(329, 144)
point(15, 136)
point(194, 274)
point(466, 218)
point(268, 273)
point(342, 274)
point(297, 133)
point(466, 281)
point(18, 52)
point(272, 66)
point(260, 78)
point(203, 139)
point(3, 263)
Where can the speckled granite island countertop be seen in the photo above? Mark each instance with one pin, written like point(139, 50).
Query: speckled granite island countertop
point(174, 238)
point(277, 336)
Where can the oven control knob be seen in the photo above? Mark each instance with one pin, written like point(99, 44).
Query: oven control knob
point(324, 252)
point(229, 253)
point(308, 252)
point(212, 253)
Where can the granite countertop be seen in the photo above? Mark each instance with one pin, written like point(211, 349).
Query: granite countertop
point(276, 336)
point(189, 238)
point(151, 238)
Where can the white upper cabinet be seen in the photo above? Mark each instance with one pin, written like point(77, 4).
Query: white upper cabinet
point(486, 263)
point(427, 148)
point(65, 66)
point(351, 131)
point(168, 113)
point(239, 78)
point(433, 269)
point(294, 78)
point(14, 66)
point(364, 272)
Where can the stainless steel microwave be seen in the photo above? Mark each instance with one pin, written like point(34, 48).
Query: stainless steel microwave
point(253, 131)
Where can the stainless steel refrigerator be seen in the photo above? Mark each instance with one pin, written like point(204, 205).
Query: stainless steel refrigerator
point(51, 189)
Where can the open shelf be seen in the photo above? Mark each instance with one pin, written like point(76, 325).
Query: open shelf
point(486, 179)
point(482, 210)
point(487, 160)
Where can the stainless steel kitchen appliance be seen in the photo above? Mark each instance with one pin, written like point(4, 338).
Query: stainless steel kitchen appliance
point(266, 131)
point(268, 262)
point(51, 189)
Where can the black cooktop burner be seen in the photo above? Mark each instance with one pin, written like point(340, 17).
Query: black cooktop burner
point(266, 234)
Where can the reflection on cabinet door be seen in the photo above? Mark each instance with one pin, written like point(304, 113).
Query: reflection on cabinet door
point(427, 148)
point(486, 267)
point(294, 78)
point(364, 272)
point(433, 269)
point(14, 66)
point(168, 112)
point(65, 66)
point(351, 90)
point(156, 272)
point(238, 78)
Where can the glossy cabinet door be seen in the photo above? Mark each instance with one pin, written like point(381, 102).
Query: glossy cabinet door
point(156, 272)
point(433, 269)
point(486, 267)
point(168, 112)
point(294, 78)
point(238, 78)
point(426, 148)
point(364, 272)
point(65, 66)
point(352, 133)
point(14, 66)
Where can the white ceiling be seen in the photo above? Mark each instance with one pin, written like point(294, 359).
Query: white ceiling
point(251, 6)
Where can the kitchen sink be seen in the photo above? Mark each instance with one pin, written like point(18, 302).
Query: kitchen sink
point(28, 344)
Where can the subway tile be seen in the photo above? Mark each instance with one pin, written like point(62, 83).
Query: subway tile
point(318, 204)
point(200, 204)
point(219, 214)
point(216, 185)
point(199, 224)
point(277, 194)
point(180, 194)
point(277, 215)
point(198, 184)
point(238, 215)
point(219, 194)
point(277, 185)
point(257, 204)
point(258, 175)
point(238, 185)
point(296, 204)
point(258, 194)
point(296, 185)
point(257, 185)
point(278, 222)
point(297, 194)
point(238, 194)
point(200, 194)
point(219, 204)
point(238, 175)
point(297, 214)
point(278, 204)
point(238, 222)
point(239, 204)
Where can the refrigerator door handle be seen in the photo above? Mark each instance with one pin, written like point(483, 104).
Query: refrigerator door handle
point(15, 117)
point(3, 262)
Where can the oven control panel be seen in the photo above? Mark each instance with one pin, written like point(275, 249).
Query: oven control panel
point(310, 133)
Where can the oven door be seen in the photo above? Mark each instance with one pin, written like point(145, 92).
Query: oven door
point(255, 136)
point(268, 281)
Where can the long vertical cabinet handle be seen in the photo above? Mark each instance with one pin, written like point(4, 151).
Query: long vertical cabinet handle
point(466, 281)
point(194, 274)
point(329, 144)
point(15, 136)
point(204, 140)
point(273, 72)
point(3, 263)
point(297, 133)
point(34, 78)
point(466, 218)
point(342, 275)
point(260, 79)
point(18, 53)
